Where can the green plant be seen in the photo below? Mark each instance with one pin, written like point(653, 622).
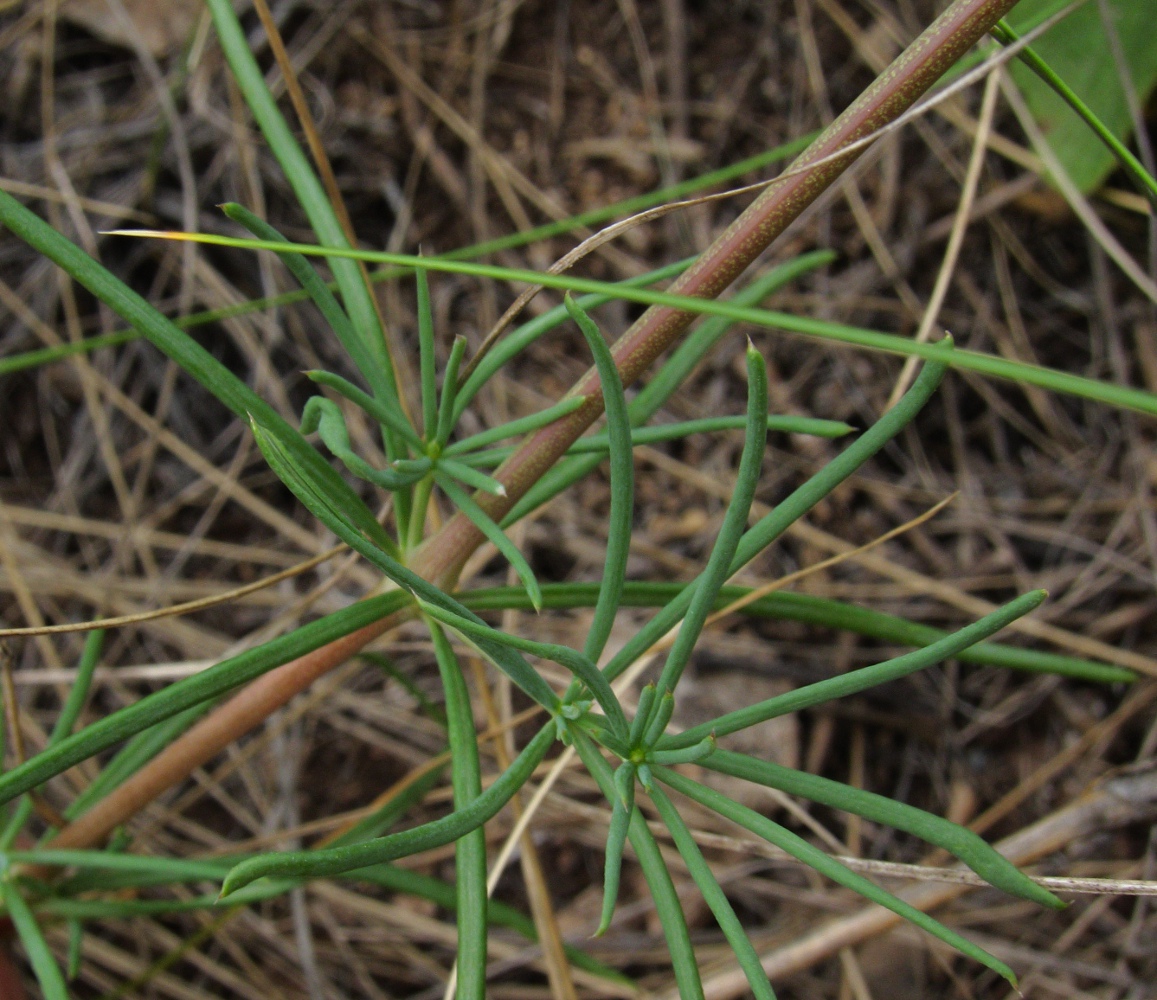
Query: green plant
point(424, 569)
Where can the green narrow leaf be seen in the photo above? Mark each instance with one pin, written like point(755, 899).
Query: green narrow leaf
point(734, 522)
point(470, 850)
point(827, 866)
point(437, 833)
point(426, 358)
point(810, 610)
point(622, 807)
point(622, 463)
point(859, 680)
point(449, 391)
point(465, 503)
point(714, 896)
point(48, 973)
point(471, 477)
point(523, 336)
point(515, 428)
point(963, 844)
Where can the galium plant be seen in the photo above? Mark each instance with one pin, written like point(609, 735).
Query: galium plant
point(71, 874)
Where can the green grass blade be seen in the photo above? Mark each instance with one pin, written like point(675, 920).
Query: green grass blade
point(47, 355)
point(470, 850)
point(427, 360)
point(710, 425)
point(74, 703)
point(798, 503)
point(208, 684)
point(963, 844)
point(789, 606)
point(581, 666)
point(714, 896)
point(1145, 181)
point(650, 858)
point(449, 391)
point(310, 194)
point(465, 503)
point(859, 680)
point(734, 523)
point(826, 865)
point(622, 462)
point(437, 833)
point(432, 711)
point(514, 428)
point(48, 973)
point(671, 374)
point(377, 410)
point(837, 333)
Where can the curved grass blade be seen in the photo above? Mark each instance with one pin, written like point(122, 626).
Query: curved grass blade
point(714, 896)
point(514, 428)
point(470, 850)
point(324, 416)
point(859, 680)
point(379, 412)
point(963, 844)
point(465, 503)
point(48, 973)
point(790, 606)
point(670, 376)
point(322, 506)
point(826, 865)
point(658, 878)
point(622, 464)
point(1110, 393)
point(577, 663)
point(438, 833)
point(183, 694)
point(734, 522)
point(798, 503)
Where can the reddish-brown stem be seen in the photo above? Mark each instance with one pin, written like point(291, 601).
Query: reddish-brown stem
point(441, 559)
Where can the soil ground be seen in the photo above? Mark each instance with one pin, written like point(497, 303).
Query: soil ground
point(451, 123)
